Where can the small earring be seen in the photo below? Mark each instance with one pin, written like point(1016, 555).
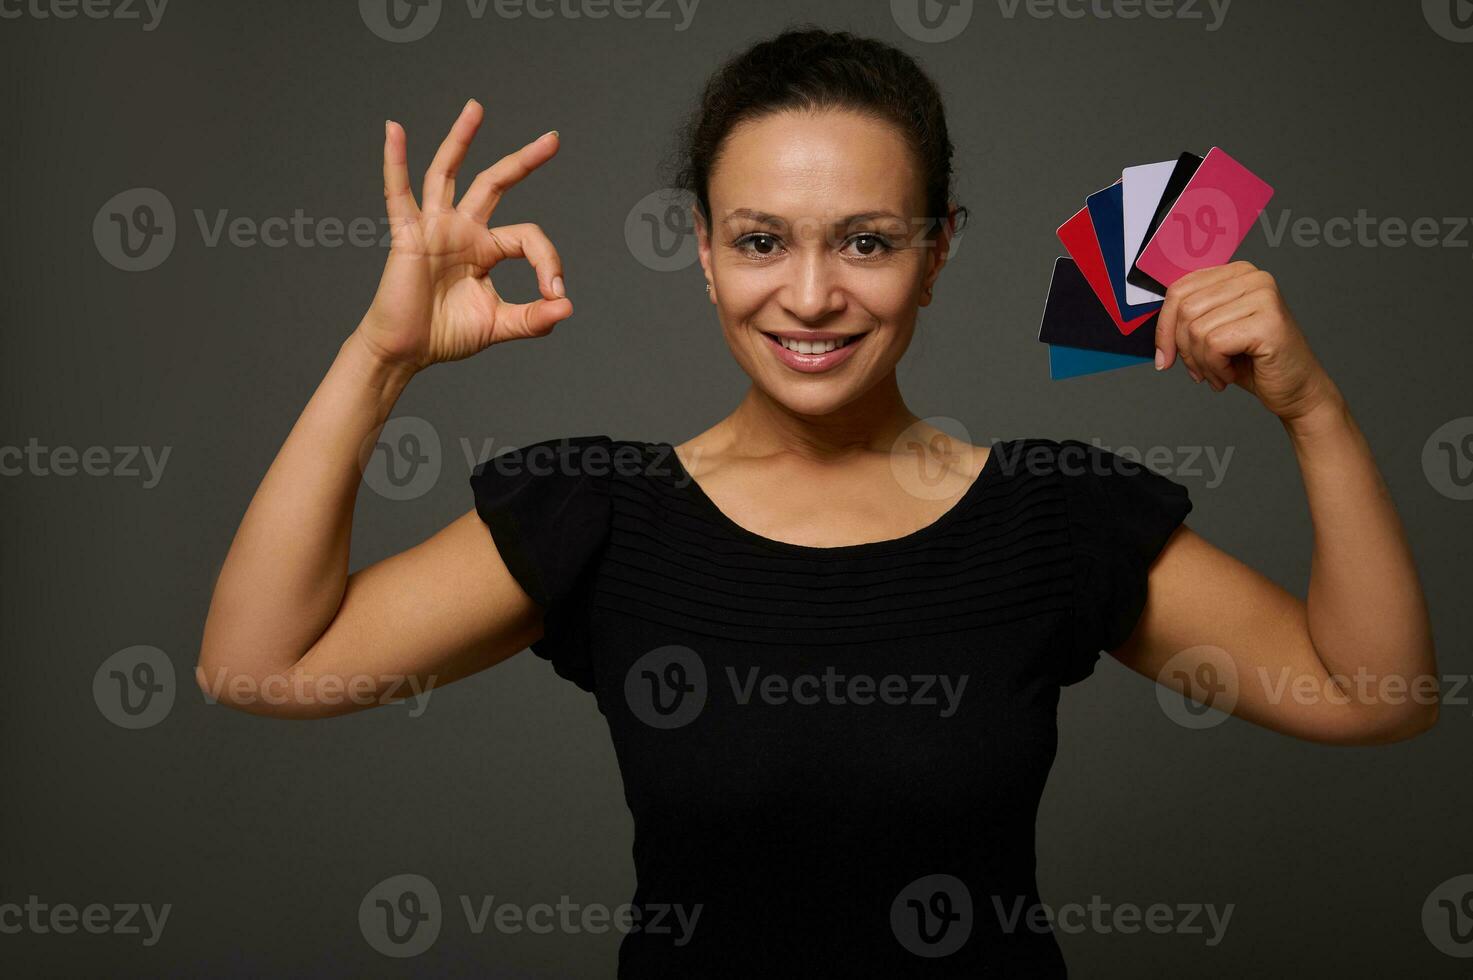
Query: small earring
point(708, 289)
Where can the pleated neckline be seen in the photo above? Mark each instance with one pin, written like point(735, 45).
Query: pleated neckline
point(689, 485)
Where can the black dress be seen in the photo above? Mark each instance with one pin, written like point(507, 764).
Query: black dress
point(833, 756)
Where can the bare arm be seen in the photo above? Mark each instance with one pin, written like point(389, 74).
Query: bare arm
point(1352, 662)
point(289, 631)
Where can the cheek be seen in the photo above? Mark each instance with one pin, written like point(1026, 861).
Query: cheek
point(890, 294)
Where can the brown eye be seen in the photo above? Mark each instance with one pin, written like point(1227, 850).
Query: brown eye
point(868, 246)
point(759, 245)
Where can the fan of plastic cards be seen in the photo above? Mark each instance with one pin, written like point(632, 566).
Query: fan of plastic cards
point(1130, 242)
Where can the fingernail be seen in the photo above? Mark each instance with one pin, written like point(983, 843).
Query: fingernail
point(550, 132)
point(557, 286)
point(1195, 376)
point(1160, 359)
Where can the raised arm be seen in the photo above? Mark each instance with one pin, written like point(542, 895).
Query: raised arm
point(289, 632)
point(1350, 663)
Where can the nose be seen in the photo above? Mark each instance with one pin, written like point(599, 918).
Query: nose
point(814, 293)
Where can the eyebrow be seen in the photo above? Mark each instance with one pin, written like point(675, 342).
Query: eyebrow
point(772, 219)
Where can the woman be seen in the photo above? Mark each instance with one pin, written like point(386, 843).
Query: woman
point(828, 638)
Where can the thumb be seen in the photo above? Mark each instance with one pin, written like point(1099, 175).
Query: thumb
point(534, 319)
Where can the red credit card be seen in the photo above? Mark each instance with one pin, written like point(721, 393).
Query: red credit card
point(1078, 236)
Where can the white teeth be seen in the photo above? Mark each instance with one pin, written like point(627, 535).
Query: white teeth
point(812, 346)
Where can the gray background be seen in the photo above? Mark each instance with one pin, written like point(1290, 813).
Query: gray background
point(265, 836)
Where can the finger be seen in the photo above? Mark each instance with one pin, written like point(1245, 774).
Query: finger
point(1192, 307)
point(1202, 360)
point(1178, 292)
point(1183, 339)
point(1165, 342)
point(485, 191)
point(1229, 340)
point(1226, 308)
point(528, 241)
point(1212, 275)
point(439, 187)
point(534, 319)
point(398, 198)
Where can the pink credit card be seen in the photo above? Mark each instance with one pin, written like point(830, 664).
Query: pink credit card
point(1208, 222)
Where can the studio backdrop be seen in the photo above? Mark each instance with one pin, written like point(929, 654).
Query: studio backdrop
point(194, 223)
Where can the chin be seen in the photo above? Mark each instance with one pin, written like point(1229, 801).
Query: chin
point(812, 399)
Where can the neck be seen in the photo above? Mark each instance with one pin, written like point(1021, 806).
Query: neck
point(762, 426)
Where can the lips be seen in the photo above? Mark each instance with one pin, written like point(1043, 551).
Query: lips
point(816, 352)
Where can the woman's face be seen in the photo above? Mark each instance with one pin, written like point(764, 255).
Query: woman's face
point(818, 254)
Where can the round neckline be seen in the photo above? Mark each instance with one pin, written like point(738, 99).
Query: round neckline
point(842, 550)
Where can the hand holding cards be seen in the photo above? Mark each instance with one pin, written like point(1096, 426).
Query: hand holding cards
point(1130, 242)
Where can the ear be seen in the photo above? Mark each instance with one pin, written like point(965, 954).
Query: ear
point(703, 248)
point(940, 250)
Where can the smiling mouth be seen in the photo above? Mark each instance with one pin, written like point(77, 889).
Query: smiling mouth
point(814, 355)
point(815, 346)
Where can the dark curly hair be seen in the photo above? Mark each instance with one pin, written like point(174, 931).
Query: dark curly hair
point(806, 67)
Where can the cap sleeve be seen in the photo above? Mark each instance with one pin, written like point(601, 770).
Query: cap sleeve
point(547, 508)
point(1121, 514)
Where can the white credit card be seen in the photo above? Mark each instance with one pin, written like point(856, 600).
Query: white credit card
point(1142, 188)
